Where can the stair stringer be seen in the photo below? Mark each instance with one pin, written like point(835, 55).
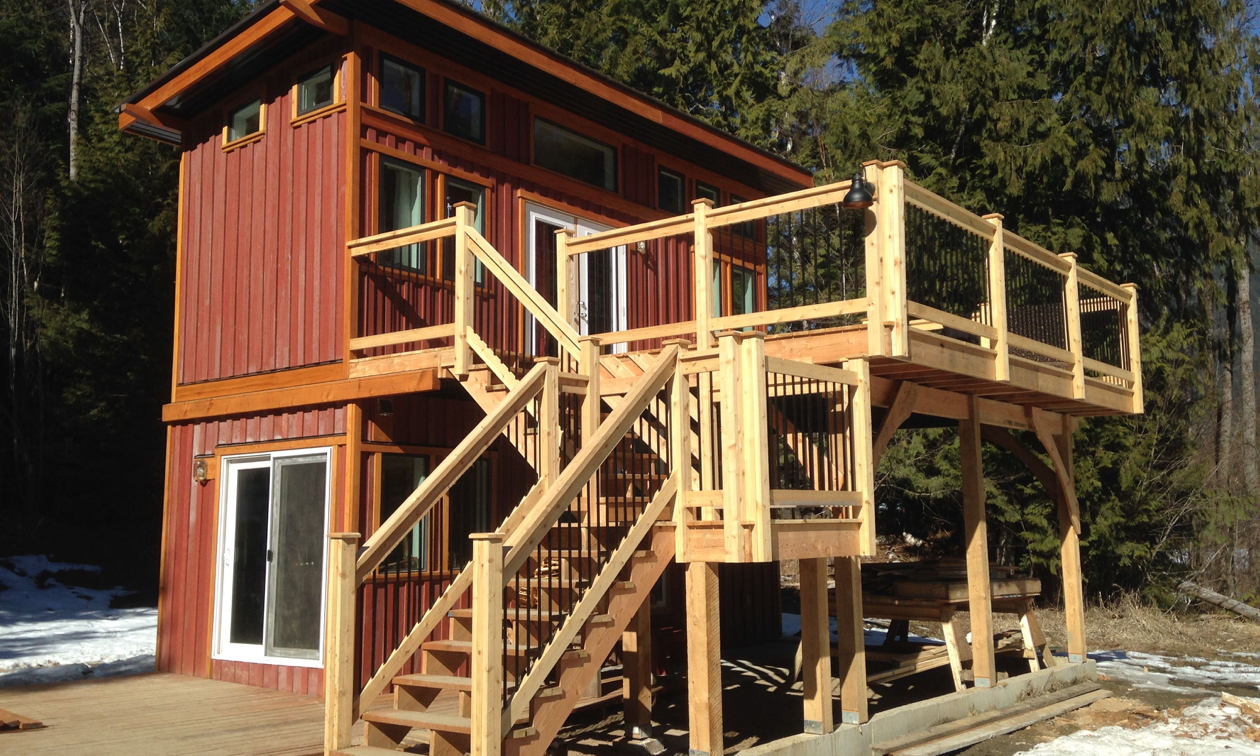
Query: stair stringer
point(549, 713)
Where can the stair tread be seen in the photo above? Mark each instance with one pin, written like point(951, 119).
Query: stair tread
point(425, 719)
point(446, 682)
point(365, 750)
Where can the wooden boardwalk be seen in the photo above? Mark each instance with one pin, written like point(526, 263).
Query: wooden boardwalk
point(163, 714)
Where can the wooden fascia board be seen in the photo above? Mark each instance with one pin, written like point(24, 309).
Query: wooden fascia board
point(566, 71)
point(331, 392)
point(308, 11)
point(216, 59)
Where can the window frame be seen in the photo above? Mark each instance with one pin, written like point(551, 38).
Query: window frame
point(382, 160)
point(443, 181)
point(447, 84)
point(232, 143)
point(724, 291)
point(717, 198)
point(298, 116)
point(616, 154)
point(382, 58)
point(661, 172)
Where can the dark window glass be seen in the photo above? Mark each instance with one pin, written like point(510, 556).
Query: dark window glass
point(245, 120)
point(669, 192)
point(456, 192)
point(743, 294)
point(299, 498)
point(747, 228)
point(471, 508)
point(402, 88)
point(401, 475)
point(315, 90)
point(402, 206)
point(249, 569)
point(465, 113)
point(562, 151)
point(704, 191)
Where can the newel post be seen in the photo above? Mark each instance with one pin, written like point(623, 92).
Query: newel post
point(339, 682)
point(1134, 346)
point(564, 277)
point(892, 233)
point(872, 230)
point(704, 272)
point(465, 293)
point(549, 422)
point(864, 464)
point(997, 297)
point(1072, 296)
point(487, 644)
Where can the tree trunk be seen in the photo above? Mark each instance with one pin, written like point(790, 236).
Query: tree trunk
point(78, 11)
point(1225, 404)
point(1246, 377)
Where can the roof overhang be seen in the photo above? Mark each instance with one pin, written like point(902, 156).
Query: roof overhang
point(279, 28)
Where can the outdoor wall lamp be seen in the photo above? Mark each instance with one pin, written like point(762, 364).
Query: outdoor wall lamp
point(861, 194)
point(384, 408)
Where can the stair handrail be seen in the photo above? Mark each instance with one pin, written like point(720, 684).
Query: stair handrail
point(526, 687)
point(448, 473)
point(523, 291)
point(586, 463)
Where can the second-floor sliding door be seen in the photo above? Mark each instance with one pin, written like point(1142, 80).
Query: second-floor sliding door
point(599, 291)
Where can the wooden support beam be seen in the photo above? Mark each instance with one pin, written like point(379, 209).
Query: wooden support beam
point(872, 230)
point(354, 465)
point(851, 647)
point(864, 462)
point(329, 392)
point(636, 684)
point(680, 451)
point(755, 441)
point(1135, 347)
point(549, 421)
point(1072, 298)
point(975, 524)
point(730, 376)
point(703, 273)
point(164, 127)
point(339, 681)
point(892, 221)
point(486, 664)
point(1005, 439)
point(1070, 550)
point(704, 660)
point(1040, 422)
point(816, 647)
point(311, 13)
point(902, 407)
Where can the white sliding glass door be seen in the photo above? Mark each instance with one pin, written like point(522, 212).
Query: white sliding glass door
point(272, 556)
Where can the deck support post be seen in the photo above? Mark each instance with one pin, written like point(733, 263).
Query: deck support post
point(636, 686)
point(339, 683)
point(816, 647)
point(486, 664)
point(703, 271)
point(851, 647)
point(465, 294)
point(977, 543)
point(704, 660)
point(1070, 551)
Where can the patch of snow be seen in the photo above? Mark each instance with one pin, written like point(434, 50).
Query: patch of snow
point(51, 632)
point(1155, 672)
point(1207, 728)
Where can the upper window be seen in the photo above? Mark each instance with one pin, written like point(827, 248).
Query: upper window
point(402, 88)
point(401, 475)
point(456, 192)
point(747, 228)
point(743, 295)
point(245, 120)
point(464, 112)
point(669, 192)
point(402, 206)
point(704, 191)
point(315, 90)
point(574, 155)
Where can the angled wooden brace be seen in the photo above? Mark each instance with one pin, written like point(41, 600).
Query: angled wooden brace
point(900, 410)
point(308, 11)
point(1038, 420)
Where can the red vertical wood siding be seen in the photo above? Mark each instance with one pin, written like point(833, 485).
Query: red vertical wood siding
point(263, 241)
point(191, 525)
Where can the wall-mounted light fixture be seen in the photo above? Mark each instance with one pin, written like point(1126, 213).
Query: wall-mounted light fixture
point(201, 470)
point(861, 194)
point(384, 408)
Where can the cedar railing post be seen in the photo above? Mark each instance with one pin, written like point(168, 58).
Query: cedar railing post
point(465, 291)
point(997, 297)
point(873, 230)
point(1135, 348)
point(704, 272)
point(339, 682)
point(1072, 298)
point(680, 454)
point(564, 276)
point(863, 453)
point(892, 221)
point(487, 644)
point(549, 422)
point(730, 377)
point(755, 440)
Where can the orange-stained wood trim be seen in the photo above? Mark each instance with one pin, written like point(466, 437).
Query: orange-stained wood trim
point(264, 447)
point(276, 380)
point(135, 113)
point(332, 392)
point(317, 17)
point(354, 187)
point(260, 30)
point(467, 23)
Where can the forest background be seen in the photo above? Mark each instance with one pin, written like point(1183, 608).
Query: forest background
point(1125, 131)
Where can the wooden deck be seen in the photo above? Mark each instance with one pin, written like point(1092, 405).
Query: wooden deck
point(163, 714)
